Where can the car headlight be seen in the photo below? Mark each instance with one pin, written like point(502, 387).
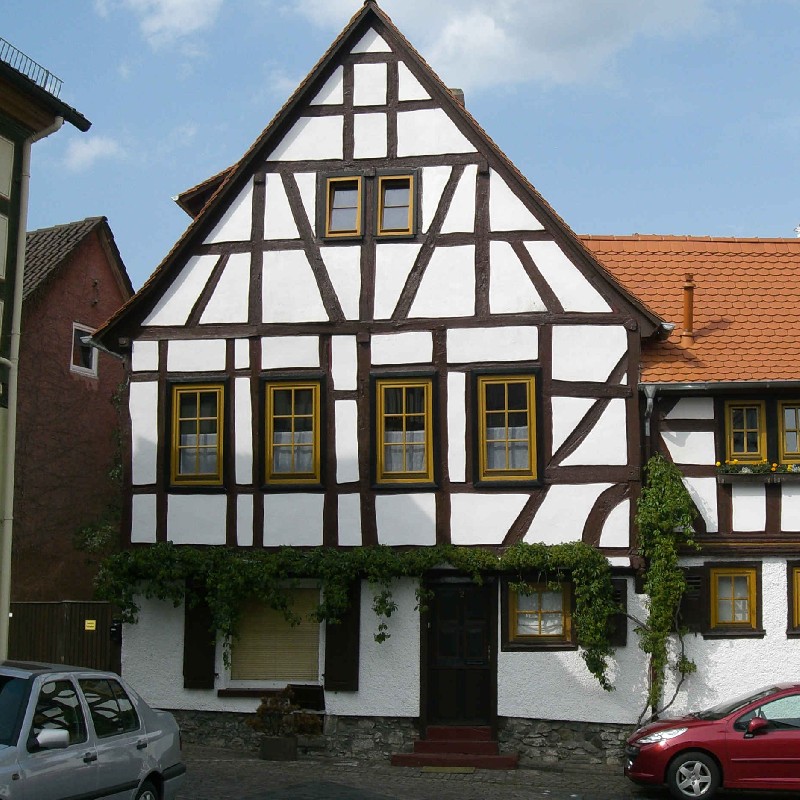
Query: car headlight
point(661, 736)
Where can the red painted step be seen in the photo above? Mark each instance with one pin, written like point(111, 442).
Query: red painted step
point(457, 746)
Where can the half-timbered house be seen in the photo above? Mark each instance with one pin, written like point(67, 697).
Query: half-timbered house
point(375, 331)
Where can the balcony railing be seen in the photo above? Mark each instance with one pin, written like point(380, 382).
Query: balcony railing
point(29, 68)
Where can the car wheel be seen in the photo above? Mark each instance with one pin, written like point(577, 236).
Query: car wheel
point(693, 775)
point(148, 792)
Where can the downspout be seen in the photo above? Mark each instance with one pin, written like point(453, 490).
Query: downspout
point(12, 362)
point(650, 390)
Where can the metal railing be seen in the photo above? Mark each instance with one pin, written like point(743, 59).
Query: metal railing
point(29, 68)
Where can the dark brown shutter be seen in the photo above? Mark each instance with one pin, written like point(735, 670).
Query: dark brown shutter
point(693, 613)
point(199, 648)
point(342, 646)
point(618, 623)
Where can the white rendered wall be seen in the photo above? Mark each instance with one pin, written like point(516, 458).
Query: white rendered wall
point(506, 211)
point(562, 515)
point(236, 222)
point(177, 301)
point(690, 447)
point(144, 356)
point(278, 218)
point(509, 343)
point(289, 290)
point(312, 138)
point(230, 300)
point(344, 362)
point(704, 493)
point(279, 352)
point(343, 265)
point(456, 426)
point(196, 355)
point(510, 288)
point(392, 265)
point(567, 413)
point(143, 404)
point(429, 132)
point(346, 441)
point(370, 134)
point(412, 347)
point(369, 84)
point(448, 285)
point(350, 520)
point(244, 520)
point(406, 519)
point(196, 518)
point(790, 507)
point(243, 430)
point(461, 214)
point(749, 507)
point(332, 91)
point(606, 442)
point(409, 88)
point(483, 518)
point(143, 518)
point(434, 179)
point(616, 530)
point(587, 352)
point(692, 408)
point(293, 519)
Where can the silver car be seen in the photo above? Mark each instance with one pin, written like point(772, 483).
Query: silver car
point(67, 732)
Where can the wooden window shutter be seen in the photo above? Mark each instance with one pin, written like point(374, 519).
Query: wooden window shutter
point(342, 646)
point(618, 623)
point(199, 648)
point(693, 611)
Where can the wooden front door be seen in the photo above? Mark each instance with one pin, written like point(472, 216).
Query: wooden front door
point(461, 672)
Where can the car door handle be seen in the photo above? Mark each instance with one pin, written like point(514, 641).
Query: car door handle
point(89, 757)
point(141, 744)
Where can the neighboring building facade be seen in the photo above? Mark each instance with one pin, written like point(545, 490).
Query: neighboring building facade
point(74, 280)
point(375, 331)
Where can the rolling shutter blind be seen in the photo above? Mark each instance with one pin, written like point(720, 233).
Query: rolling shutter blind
point(199, 648)
point(269, 648)
point(694, 603)
point(342, 646)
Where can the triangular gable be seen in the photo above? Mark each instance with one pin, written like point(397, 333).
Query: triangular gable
point(312, 127)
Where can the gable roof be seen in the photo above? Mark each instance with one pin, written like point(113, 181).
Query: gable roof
point(224, 186)
point(746, 304)
point(47, 249)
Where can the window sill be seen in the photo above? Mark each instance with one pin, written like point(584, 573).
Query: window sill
point(759, 477)
point(749, 633)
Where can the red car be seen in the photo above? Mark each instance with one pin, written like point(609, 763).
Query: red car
point(752, 742)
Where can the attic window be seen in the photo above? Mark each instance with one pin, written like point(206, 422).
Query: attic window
point(343, 207)
point(395, 205)
point(84, 356)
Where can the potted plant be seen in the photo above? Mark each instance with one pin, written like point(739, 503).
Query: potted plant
point(279, 720)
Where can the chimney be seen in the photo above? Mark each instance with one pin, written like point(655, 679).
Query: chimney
point(459, 95)
point(687, 335)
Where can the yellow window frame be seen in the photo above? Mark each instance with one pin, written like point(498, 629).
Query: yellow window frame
point(743, 456)
point(384, 182)
point(485, 472)
point(293, 476)
point(540, 589)
point(718, 574)
point(789, 456)
point(197, 478)
point(331, 185)
point(383, 472)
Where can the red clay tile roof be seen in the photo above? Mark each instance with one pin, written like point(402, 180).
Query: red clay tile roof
point(746, 304)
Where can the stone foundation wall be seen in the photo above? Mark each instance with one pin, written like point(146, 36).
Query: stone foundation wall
point(376, 738)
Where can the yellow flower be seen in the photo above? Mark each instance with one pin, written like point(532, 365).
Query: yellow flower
point(774, 466)
point(718, 464)
point(735, 460)
point(772, 469)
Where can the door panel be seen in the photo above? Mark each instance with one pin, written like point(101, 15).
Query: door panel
point(460, 668)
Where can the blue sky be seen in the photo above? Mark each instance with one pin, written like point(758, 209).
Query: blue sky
point(629, 116)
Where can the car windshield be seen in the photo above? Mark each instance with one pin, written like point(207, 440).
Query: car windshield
point(13, 696)
point(728, 707)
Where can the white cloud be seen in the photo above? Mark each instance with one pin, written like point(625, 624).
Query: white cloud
point(84, 152)
point(163, 22)
point(477, 45)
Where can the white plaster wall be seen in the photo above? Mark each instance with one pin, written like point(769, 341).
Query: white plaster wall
point(406, 519)
point(307, 185)
point(237, 221)
point(393, 262)
point(434, 180)
point(241, 354)
point(606, 442)
point(143, 405)
point(144, 356)
point(388, 680)
point(196, 518)
point(456, 426)
point(506, 211)
point(573, 291)
point(563, 513)
point(343, 265)
point(587, 352)
point(178, 300)
point(409, 88)
point(507, 343)
point(350, 520)
point(196, 355)
point(692, 408)
point(510, 288)
point(749, 507)
point(616, 531)
point(243, 430)
point(557, 685)
point(483, 518)
point(429, 132)
point(278, 218)
point(567, 413)
point(448, 285)
point(690, 447)
point(332, 91)
point(370, 133)
point(278, 352)
point(311, 138)
point(293, 519)
point(143, 518)
point(230, 300)
point(244, 520)
point(704, 493)
point(344, 362)
point(413, 347)
point(369, 84)
point(461, 215)
point(790, 507)
point(346, 441)
point(289, 289)
point(371, 42)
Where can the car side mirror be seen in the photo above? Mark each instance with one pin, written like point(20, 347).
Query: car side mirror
point(50, 739)
point(756, 726)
